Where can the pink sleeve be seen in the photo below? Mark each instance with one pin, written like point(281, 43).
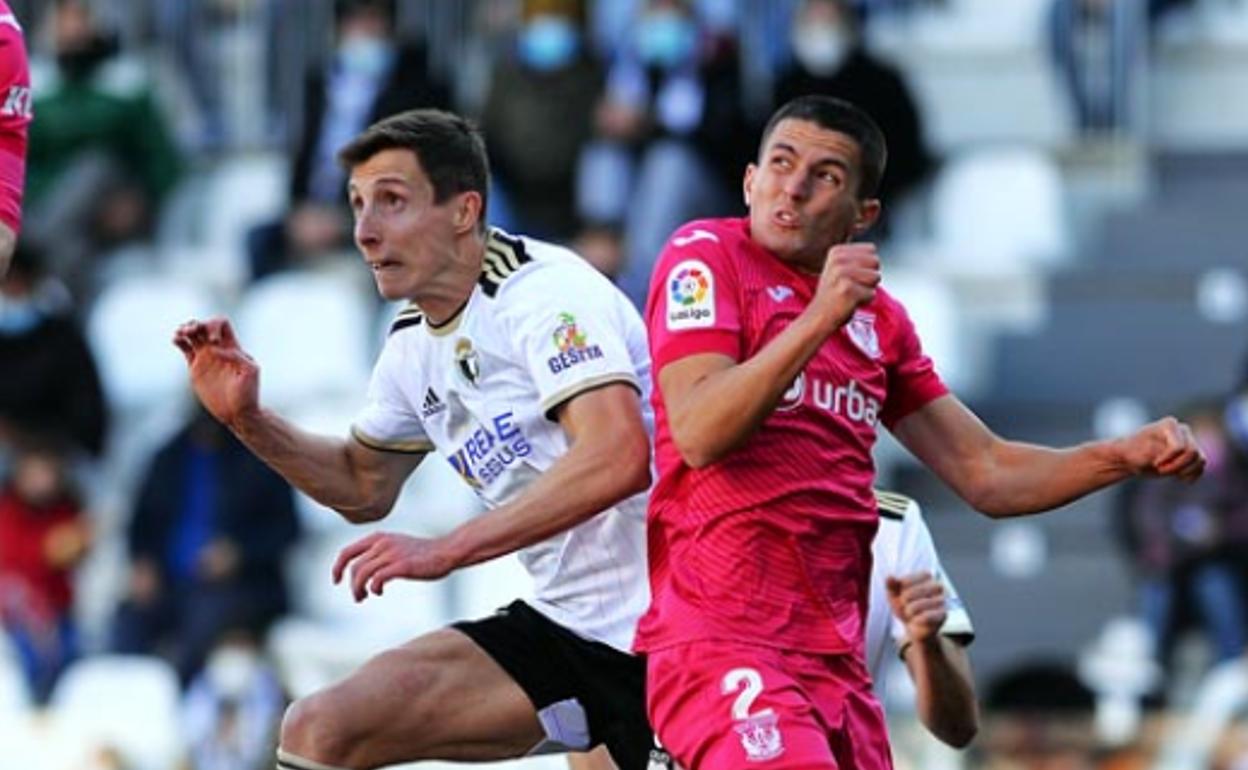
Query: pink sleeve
point(693, 303)
point(15, 116)
point(912, 378)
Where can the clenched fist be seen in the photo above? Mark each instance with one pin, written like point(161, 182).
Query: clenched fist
point(848, 281)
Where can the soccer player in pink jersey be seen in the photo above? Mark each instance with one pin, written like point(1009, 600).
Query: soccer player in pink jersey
point(15, 116)
point(778, 354)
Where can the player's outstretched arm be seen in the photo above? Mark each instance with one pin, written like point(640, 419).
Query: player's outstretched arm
point(1011, 478)
point(608, 460)
point(714, 404)
point(938, 665)
point(358, 482)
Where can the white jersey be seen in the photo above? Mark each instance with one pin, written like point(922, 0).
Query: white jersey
point(903, 546)
point(541, 327)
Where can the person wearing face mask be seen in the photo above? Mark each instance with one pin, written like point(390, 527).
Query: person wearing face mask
point(101, 159)
point(369, 74)
point(538, 116)
point(670, 135)
point(1187, 544)
point(829, 58)
point(50, 381)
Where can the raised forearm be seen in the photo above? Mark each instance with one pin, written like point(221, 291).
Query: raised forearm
point(722, 410)
point(582, 483)
point(1022, 479)
point(945, 690)
point(319, 466)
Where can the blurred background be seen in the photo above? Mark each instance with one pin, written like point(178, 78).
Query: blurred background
point(1066, 222)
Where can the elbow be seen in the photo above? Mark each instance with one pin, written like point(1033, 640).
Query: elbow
point(960, 735)
point(696, 452)
point(366, 511)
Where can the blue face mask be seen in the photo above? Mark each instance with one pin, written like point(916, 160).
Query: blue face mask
point(666, 39)
point(548, 43)
point(368, 56)
point(18, 316)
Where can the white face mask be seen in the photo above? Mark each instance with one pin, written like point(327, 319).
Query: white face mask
point(232, 670)
point(821, 48)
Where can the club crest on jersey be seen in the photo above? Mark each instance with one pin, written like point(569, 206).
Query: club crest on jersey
point(690, 296)
point(861, 330)
point(792, 397)
point(573, 345)
point(760, 737)
point(467, 360)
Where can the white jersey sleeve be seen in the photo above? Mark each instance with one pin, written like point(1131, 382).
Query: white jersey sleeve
point(916, 552)
point(388, 422)
point(571, 330)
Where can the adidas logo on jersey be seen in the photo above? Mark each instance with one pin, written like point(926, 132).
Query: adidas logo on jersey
point(432, 404)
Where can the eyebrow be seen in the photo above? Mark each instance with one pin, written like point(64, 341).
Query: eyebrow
point(827, 160)
point(385, 179)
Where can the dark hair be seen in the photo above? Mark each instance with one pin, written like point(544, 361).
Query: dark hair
point(345, 8)
point(450, 150)
point(845, 118)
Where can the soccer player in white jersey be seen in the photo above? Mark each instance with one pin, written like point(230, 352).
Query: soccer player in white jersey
point(914, 611)
point(529, 372)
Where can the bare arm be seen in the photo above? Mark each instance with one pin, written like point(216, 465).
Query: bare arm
point(715, 404)
point(608, 460)
point(358, 482)
point(938, 665)
point(1011, 478)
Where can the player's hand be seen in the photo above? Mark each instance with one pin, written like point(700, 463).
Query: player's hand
point(224, 377)
point(383, 556)
point(918, 601)
point(1164, 448)
point(848, 281)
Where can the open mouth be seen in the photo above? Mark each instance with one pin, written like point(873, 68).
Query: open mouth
point(786, 220)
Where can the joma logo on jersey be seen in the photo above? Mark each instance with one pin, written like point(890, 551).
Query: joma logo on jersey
point(848, 400)
point(573, 345)
point(489, 451)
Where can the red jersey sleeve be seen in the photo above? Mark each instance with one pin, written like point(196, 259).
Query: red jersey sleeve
point(15, 116)
point(912, 378)
point(693, 306)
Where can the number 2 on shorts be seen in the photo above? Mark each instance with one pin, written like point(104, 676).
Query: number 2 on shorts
point(750, 683)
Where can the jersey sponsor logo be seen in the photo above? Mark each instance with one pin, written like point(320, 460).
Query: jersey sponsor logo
point(847, 400)
point(467, 360)
point(432, 405)
point(18, 103)
point(861, 331)
point(489, 451)
point(792, 398)
point(779, 293)
point(695, 235)
point(690, 296)
point(573, 345)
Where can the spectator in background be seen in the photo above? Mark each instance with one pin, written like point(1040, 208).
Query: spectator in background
point(15, 116)
point(370, 75)
point(44, 534)
point(49, 381)
point(538, 116)
point(101, 157)
point(671, 136)
point(233, 708)
point(1040, 718)
point(1189, 542)
point(210, 530)
point(829, 58)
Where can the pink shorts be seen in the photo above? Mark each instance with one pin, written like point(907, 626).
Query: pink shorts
point(729, 706)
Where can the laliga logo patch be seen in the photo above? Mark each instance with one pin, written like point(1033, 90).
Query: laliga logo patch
point(861, 331)
point(690, 296)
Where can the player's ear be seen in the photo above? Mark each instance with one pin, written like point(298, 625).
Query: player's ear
point(868, 213)
point(468, 211)
point(748, 183)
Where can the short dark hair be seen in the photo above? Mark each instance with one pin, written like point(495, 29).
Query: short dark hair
point(450, 149)
point(845, 118)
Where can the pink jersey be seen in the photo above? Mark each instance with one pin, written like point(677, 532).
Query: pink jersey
point(772, 543)
point(15, 116)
